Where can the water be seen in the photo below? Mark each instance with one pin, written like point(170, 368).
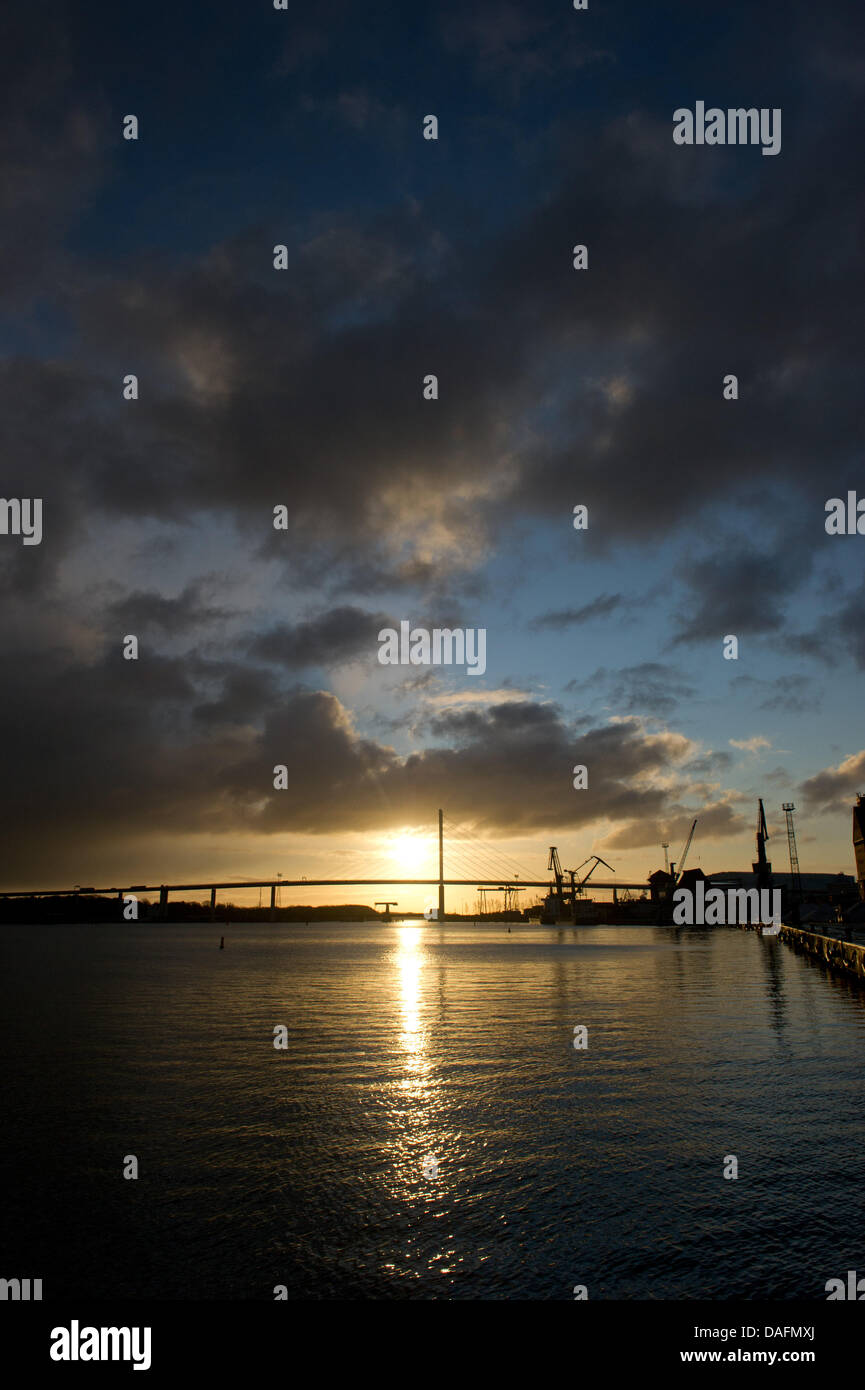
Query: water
point(304, 1167)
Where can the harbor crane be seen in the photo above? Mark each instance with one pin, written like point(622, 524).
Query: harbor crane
point(576, 885)
point(594, 860)
point(680, 862)
point(761, 867)
point(796, 878)
point(510, 891)
point(555, 867)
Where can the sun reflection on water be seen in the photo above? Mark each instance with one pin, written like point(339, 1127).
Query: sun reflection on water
point(422, 1146)
point(417, 1142)
point(410, 963)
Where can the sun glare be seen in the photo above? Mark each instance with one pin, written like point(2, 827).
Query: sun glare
point(408, 852)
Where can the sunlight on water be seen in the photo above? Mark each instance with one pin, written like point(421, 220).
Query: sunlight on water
point(412, 1094)
point(409, 963)
point(412, 1045)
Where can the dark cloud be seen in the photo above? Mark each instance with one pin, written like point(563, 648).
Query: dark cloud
point(188, 745)
point(426, 680)
point(513, 45)
point(251, 375)
point(840, 633)
point(647, 688)
point(144, 612)
point(715, 821)
point(740, 590)
point(778, 777)
point(303, 388)
point(53, 155)
point(833, 789)
point(601, 607)
point(797, 693)
point(241, 695)
point(711, 764)
point(326, 640)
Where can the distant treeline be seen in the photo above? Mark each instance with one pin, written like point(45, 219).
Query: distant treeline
point(83, 907)
point(88, 907)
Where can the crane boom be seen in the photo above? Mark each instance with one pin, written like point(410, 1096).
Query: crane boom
point(683, 856)
point(598, 860)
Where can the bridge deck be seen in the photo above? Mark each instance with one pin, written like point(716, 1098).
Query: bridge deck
point(313, 883)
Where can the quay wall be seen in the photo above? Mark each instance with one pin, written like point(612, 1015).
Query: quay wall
point(846, 957)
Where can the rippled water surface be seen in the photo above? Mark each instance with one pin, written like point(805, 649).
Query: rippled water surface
point(305, 1167)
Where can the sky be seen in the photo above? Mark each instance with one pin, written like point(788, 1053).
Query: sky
point(303, 388)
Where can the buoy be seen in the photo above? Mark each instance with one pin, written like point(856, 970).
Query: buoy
point(222, 943)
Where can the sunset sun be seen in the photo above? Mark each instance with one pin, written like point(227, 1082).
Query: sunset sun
point(408, 853)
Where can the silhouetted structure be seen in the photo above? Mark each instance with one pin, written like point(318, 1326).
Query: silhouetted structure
point(690, 878)
point(788, 809)
point(661, 884)
point(762, 868)
point(859, 841)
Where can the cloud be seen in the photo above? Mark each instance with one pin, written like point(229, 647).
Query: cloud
point(325, 640)
point(601, 607)
point(798, 693)
point(840, 633)
point(646, 688)
point(239, 360)
point(833, 789)
point(513, 44)
point(187, 745)
point(303, 388)
point(140, 612)
point(740, 590)
point(53, 154)
point(751, 745)
point(718, 820)
point(453, 699)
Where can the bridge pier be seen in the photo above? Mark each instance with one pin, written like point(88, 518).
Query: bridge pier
point(213, 904)
point(441, 867)
point(273, 902)
point(163, 903)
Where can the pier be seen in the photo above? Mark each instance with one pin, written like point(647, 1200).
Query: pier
point(844, 957)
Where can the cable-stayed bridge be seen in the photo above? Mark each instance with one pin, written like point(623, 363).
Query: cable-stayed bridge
point(470, 863)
